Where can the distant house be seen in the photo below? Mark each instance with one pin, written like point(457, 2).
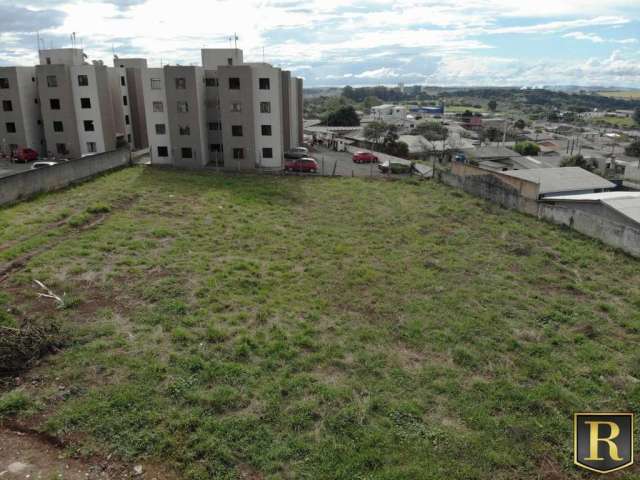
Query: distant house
point(562, 181)
point(389, 113)
point(620, 207)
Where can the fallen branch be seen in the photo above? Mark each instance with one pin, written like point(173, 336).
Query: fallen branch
point(49, 294)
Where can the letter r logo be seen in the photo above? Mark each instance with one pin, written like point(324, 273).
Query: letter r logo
point(603, 442)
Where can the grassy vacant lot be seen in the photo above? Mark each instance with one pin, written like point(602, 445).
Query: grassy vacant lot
point(624, 94)
point(250, 327)
point(624, 122)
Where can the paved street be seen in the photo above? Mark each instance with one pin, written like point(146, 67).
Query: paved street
point(344, 165)
point(8, 168)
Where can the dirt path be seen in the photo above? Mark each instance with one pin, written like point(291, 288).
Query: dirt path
point(30, 456)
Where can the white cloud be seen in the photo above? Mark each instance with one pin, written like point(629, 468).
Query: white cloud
point(584, 36)
point(351, 40)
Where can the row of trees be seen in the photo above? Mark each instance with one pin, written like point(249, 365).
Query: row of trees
point(385, 94)
point(384, 137)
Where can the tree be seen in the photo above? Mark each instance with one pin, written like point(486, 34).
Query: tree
point(493, 105)
point(491, 134)
point(636, 116)
point(348, 92)
point(371, 101)
point(579, 161)
point(527, 148)
point(520, 124)
point(633, 150)
point(432, 131)
point(343, 117)
point(374, 131)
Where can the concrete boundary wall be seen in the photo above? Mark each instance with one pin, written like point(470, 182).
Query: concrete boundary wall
point(599, 227)
point(26, 184)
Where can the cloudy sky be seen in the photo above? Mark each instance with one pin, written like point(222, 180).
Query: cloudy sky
point(356, 42)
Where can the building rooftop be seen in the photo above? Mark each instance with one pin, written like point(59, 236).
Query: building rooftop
point(625, 203)
point(487, 153)
point(562, 179)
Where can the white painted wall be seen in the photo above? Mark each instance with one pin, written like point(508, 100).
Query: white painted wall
point(90, 91)
point(126, 109)
point(154, 118)
point(293, 105)
point(273, 95)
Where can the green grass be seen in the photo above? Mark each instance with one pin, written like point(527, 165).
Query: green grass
point(624, 94)
point(238, 326)
point(624, 122)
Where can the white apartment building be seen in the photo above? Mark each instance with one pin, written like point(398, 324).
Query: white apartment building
point(225, 113)
point(21, 123)
point(64, 106)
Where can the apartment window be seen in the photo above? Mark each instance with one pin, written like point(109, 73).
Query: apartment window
point(91, 147)
point(88, 126)
point(265, 84)
point(214, 126)
point(236, 130)
point(183, 107)
point(211, 82)
point(58, 127)
point(267, 153)
point(187, 153)
point(266, 130)
point(7, 106)
point(4, 83)
point(161, 129)
point(163, 152)
point(156, 85)
point(236, 107)
point(127, 120)
point(238, 153)
point(36, 101)
point(265, 107)
point(234, 83)
point(125, 101)
point(83, 80)
point(122, 82)
point(181, 83)
point(11, 127)
point(229, 61)
point(184, 130)
point(52, 81)
point(54, 103)
point(85, 102)
point(158, 107)
point(129, 138)
point(61, 148)
point(215, 147)
point(48, 60)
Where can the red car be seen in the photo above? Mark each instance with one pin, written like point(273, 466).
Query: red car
point(305, 164)
point(25, 155)
point(364, 157)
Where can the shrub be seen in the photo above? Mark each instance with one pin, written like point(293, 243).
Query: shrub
point(527, 148)
point(13, 402)
point(21, 347)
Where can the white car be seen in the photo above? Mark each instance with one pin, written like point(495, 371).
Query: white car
point(300, 150)
point(38, 165)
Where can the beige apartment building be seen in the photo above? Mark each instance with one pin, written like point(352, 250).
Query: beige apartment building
point(21, 122)
point(225, 113)
point(65, 107)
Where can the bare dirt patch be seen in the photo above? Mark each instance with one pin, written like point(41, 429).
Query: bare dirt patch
point(29, 454)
